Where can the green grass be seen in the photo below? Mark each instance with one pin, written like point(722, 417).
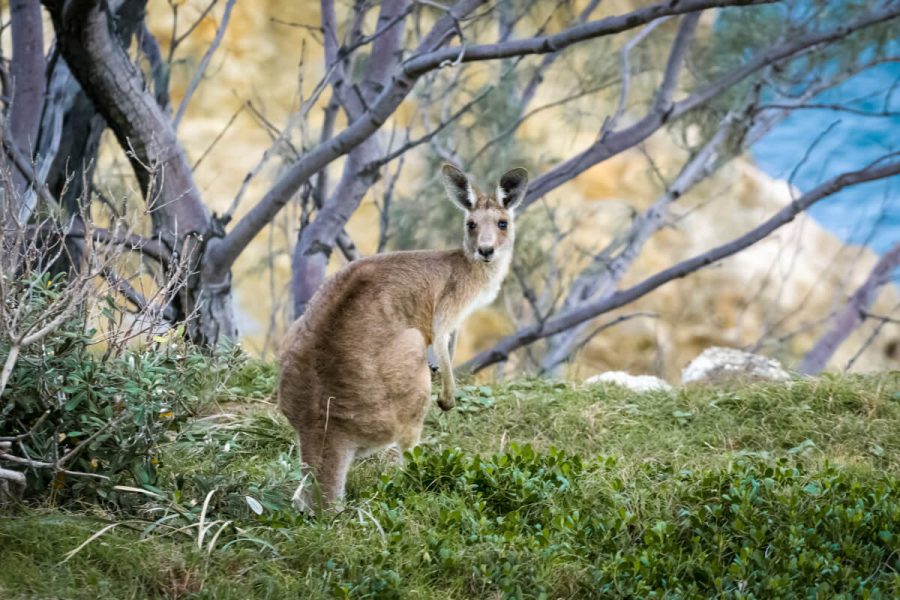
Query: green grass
point(528, 489)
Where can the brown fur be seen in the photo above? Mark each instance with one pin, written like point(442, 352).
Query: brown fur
point(354, 369)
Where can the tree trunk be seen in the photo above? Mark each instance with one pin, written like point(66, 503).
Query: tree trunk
point(28, 85)
point(144, 131)
point(27, 73)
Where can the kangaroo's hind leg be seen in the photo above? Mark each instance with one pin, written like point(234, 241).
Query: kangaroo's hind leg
point(306, 498)
point(338, 453)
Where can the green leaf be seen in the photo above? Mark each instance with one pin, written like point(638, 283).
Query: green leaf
point(812, 488)
point(803, 447)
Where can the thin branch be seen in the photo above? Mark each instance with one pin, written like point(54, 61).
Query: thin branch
point(74, 451)
point(26, 168)
point(831, 107)
point(385, 208)
point(39, 464)
point(600, 329)
point(126, 289)
point(218, 137)
point(882, 321)
point(543, 44)
point(881, 318)
point(204, 63)
point(533, 112)
point(177, 40)
point(151, 247)
point(853, 314)
point(663, 100)
point(537, 77)
point(430, 135)
point(30, 432)
point(624, 57)
point(650, 123)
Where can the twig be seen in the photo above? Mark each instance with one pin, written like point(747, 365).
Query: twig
point(27, 169)
point(853, 314)
point(38, 464)
point(881, 318)
point(218, 137)
point(176, 41)
point(204, 62)
point(428, 136)
point(29, 433)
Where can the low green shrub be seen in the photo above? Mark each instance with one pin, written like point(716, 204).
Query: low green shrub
point(522, 524)
point(103, 416)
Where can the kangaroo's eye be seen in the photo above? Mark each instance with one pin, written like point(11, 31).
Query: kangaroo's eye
point(471, 225)
point(502, 224)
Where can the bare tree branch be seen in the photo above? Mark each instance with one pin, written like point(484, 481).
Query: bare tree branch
point(602, 276)
point(546, 366)
point(423, 62)
point(624, 56)
point(617, 141)
point(853, 314)
point(176, 40)
point(25, 170)
point(204, 63)
point(315, 241)
point(159, 70)
point(663, 99)
point(537, 78)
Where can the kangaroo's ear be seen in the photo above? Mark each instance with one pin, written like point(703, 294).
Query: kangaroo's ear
point(459, 190)
point(512, 187)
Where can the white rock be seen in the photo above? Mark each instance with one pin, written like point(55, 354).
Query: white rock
point(717, 364)
point(635, 383)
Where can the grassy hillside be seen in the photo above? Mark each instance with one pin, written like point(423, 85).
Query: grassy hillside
point(529, 489)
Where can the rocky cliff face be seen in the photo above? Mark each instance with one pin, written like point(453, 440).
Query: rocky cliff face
point(771, 297)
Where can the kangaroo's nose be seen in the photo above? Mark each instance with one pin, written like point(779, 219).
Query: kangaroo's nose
point(486, 251)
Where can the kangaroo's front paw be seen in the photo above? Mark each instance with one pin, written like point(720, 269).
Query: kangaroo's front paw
point(446, 401)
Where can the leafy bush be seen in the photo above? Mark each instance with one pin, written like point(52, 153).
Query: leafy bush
point(102, 416)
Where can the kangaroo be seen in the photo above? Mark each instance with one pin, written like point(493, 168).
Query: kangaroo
point(355, 376)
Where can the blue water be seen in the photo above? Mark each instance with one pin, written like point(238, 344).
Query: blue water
point(867, 213)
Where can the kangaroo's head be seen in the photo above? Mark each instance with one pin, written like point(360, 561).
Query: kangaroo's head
point(489, 231)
